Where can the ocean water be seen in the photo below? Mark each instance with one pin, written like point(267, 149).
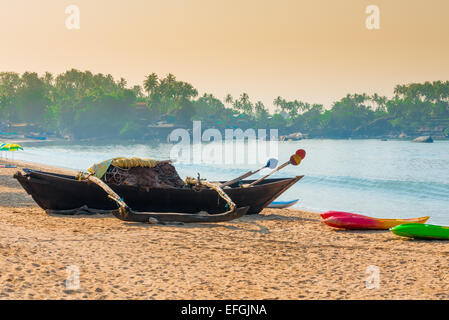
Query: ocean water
point(390, 179)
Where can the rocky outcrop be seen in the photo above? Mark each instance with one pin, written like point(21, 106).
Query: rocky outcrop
point(292, 137)
point(424, 139)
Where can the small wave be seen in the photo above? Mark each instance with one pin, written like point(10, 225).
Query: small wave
point(418, 189)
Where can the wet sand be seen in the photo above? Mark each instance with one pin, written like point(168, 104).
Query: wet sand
point(280, 254)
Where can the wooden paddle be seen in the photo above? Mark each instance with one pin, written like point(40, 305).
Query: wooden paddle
point(271, 164)
point(294, 160)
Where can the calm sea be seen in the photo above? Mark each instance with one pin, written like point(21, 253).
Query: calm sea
point(388, 179)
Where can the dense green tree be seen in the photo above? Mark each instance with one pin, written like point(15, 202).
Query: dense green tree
point(348, 114)
point(33, 98)
point(10, 83)
point(91, 105)
point(84, 105)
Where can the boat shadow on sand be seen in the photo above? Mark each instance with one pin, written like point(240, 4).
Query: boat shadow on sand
point(392, 236)
point(420, 240)
point(237, 225)
point(80, 216)
point(15, 199)
point(6, 181)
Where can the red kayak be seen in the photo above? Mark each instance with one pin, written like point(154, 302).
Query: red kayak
point(347, 220)
point(340, 214)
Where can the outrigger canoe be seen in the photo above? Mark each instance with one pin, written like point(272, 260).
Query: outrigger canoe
point(347, 220)
point(282, 204)
point(421, 231)
point(53, 191)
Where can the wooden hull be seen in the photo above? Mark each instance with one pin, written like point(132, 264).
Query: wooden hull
point(62, 192)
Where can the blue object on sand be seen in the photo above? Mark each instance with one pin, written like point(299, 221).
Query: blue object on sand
point(282, 204)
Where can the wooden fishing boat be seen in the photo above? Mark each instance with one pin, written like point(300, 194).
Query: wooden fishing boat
point(53, 191)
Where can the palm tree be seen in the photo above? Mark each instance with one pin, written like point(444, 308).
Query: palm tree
point(122, 83)
point(244, 104)
point(137, 91)
point(170, 78)
point(229, 99)
point(150, 83)
point(380, 101)
point(260, 110)
point(48, 78)
point(278, 102)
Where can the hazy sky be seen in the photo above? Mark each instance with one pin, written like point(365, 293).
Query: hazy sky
point(316, 51)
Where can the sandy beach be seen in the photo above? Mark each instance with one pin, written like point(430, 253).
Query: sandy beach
point(280, 254)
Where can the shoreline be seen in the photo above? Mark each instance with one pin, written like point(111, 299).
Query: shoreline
point(29, 140)
point(37, 166)
point(163, 141)
point(279, 254)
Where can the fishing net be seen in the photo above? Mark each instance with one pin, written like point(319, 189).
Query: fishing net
point(162, 175)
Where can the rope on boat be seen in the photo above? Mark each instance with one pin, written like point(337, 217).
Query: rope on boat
point(213, 186)
point(123, 207)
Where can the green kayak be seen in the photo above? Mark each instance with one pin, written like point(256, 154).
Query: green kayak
point(421, 231)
